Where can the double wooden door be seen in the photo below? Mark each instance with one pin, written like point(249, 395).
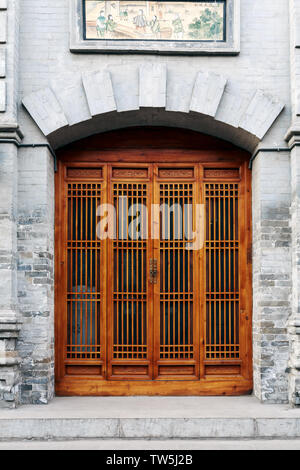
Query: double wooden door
point(153, 291)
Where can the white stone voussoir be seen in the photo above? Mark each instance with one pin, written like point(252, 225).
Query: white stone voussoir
point(125, 81)
point(180, 86)
point(99, 92)
point(2, 96)
point(153, 85)
point(262, 111)
point(3, 26)
point(71, 95)
point(46, 111)
point(232, 105)
point(2, 63)
point(207, 93)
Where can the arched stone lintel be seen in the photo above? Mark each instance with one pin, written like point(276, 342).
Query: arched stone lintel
point(122, 94)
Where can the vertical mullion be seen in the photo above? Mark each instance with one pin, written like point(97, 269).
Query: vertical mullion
point(220, 303)
point(93, 297)
point(72, 303)
point(86, 286)
point(81, 270)
point(234, 254)
point(127, 276)
point(122, 271)
point(230, 287)
point(209, 251)
point(76, 273)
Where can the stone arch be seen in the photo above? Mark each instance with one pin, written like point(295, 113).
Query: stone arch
point(151, 94)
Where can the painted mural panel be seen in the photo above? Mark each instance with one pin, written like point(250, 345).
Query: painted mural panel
point(154, 20)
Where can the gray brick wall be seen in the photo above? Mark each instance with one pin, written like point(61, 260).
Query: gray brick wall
point(36, 274)
point(272, 280)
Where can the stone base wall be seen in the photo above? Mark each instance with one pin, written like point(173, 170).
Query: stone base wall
point(10, 376)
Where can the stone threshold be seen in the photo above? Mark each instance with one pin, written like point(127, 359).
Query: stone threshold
point(151, 418)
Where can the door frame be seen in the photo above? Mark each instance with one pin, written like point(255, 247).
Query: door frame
point(97, 150)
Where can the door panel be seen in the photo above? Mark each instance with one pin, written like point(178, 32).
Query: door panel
point(141, 306)
point(222, 271)
point(177, 351)
point(130, 333)
point(84, 293)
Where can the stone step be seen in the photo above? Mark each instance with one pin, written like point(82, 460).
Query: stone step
point(130, 428)
point(151, 418)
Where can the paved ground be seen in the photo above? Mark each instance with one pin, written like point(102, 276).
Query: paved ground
point(152, 407)
point(153, 445)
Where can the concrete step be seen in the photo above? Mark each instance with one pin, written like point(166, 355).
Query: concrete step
point(150, 444)
point(151, 418)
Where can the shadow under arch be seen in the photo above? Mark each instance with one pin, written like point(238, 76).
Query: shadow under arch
point(161, 119)
point(154, 137)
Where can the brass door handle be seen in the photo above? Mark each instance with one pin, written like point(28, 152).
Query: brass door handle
point(153, 271)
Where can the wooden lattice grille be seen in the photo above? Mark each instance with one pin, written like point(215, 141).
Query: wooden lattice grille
point(176, 266)
point(222, 270)
point(130, 267)
point(83, 273)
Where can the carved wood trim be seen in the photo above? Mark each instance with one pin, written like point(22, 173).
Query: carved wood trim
point(176, 172)
point(73, 172)
point(130, 172)
point(221, 173)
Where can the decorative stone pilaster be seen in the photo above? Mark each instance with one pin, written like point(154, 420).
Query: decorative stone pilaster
point(9, 361)
point(294, 378)
point(10, 135)
point(9, 323)
point(293, 138)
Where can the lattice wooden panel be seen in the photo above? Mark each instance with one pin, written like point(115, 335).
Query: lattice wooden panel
point(130, 316)
point(222, 271)
point(83, 275)
point(176, 272)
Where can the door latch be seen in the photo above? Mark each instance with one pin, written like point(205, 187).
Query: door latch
point(153, 271)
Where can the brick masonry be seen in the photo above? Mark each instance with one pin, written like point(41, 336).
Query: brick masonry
point(234, 97)
point(272, 277)
point(35, 275)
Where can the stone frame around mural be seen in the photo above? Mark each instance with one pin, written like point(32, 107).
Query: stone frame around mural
point(231, 45)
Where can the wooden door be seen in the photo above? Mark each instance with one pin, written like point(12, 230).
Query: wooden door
point(157, 299)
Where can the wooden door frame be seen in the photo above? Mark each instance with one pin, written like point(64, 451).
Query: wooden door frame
point(209, 152)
